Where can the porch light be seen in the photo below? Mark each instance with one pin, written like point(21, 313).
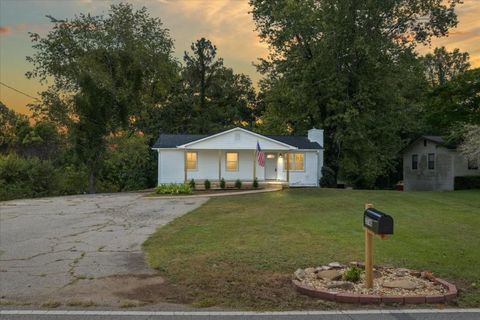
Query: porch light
point(270, 156)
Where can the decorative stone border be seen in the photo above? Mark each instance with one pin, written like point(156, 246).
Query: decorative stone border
point(371, 299)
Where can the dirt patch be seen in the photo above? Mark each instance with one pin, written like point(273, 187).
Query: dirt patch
point(116, 290)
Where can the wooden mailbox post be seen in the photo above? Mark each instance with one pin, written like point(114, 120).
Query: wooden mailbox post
point(374, 223)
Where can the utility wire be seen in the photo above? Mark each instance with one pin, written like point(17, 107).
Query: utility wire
point(25, 94)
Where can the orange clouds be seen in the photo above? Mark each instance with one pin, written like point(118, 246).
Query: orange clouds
point(5, 30)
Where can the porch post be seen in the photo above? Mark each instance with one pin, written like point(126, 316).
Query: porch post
point(254, 164)
point(287, 154)
point(219, 165)
point(185, 164)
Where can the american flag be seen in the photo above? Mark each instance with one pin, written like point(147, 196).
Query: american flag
point(260, 156)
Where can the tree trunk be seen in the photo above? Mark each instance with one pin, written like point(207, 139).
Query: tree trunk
point(92, 180)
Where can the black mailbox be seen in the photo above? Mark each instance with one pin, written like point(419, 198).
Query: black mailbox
point(378, 222)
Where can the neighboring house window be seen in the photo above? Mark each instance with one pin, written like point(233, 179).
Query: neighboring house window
point(472, 164)
point(414, 161)
point(192, 160)
point(232, 161)
point(431, 161)
point(296, 161)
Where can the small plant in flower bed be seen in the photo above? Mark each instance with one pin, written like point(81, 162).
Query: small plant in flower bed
point(222, 183)
point(192, 184)
point(238, 184)
point(255, 183)
point(207, 184)
point(352, 274)
point(173, 189)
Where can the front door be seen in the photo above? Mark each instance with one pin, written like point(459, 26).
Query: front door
point(271, 166)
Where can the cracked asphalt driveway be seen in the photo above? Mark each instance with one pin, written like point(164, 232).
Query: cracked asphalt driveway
point(49, 244)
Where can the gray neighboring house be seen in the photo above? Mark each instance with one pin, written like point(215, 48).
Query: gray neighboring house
point(431, 165)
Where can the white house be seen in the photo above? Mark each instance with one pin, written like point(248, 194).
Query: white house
point(231, 155)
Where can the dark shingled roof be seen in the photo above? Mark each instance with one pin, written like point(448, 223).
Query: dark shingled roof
point(435, 139)
point(175, 140)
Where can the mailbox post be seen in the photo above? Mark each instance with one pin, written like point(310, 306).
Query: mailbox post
point(374, 223)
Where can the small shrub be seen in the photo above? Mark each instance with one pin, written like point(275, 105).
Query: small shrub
point(467, 182)
point(238, 184)
point(192, 184)
point(328, 179)
point(173, 188)
point(207, 184)
point(352, 274)
point(255, 183)
point(222, 183)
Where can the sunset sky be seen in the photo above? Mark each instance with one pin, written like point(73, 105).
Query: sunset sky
point(226, 23)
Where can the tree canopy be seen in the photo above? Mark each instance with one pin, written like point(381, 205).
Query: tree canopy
point(349, 67)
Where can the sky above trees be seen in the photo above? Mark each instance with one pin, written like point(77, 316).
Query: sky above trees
point(227, 23)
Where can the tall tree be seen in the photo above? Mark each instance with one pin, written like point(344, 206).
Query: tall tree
point(350, 67)
point(211, 97)
point(441, 65)
point(454, 104)
point(108, 72)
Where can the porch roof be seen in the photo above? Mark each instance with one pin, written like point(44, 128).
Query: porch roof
point(175, 140)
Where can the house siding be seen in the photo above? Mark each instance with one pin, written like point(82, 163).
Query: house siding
point(171, 162)
point(448, 164)
point(171, 166)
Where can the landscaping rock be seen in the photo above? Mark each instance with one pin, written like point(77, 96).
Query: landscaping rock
point(345, 285)
point(400, 284)
point(310, 271)
point(300, 274)
point(329, 275)
point(402, 272)
point(427, 275)
point(335, 265)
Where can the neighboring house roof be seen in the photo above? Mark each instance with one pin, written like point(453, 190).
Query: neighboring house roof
point(175, 140)
point(435, 139)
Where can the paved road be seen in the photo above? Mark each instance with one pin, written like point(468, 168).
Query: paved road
point(471, 314)
point(55, 248)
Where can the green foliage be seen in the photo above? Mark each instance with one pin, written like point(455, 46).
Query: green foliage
point(210, 96)
point(352, 274)
point(255, 183)
point(71, 180)
point(207, 184)
point(192, 184)
point(173, 189)
point(442, 66)
point(467, 182)
point(120, 66)
point(222, 183)
point(357, 77)
point(238, 184)
point(455, 103)
point(126, 164)
point(25, 178)
point(328, 179)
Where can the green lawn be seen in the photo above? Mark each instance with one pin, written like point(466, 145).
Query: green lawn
point(240, 251)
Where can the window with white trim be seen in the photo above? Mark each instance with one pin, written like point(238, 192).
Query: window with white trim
point(296, 161)
point(231, 161)
point(192, 160)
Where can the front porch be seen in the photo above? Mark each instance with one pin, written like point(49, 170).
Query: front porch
point(232, 165)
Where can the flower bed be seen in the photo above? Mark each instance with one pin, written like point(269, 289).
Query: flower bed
point(391, 285)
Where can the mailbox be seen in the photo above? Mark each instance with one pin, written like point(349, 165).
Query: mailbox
point(377, 221)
